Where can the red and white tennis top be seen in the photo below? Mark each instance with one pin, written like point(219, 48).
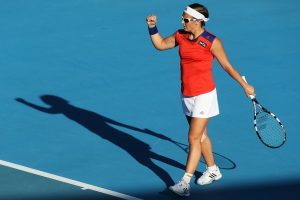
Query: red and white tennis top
point(196, 63)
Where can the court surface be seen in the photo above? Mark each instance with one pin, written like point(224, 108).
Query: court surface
point(88, 104)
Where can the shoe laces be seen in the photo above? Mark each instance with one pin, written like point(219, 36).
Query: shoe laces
point(183, 183)
point(207, 172)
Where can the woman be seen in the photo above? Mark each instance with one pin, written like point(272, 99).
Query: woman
point(197, 48)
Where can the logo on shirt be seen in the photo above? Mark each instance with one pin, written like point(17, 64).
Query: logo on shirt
point(203, 44)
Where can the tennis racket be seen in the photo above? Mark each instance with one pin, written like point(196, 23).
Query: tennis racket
point(267, 125)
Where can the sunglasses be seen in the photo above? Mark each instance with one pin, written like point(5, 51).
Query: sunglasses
point(187, 20)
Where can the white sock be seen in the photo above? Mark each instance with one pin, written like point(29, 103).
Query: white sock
point(212, 168)
point(187, 177)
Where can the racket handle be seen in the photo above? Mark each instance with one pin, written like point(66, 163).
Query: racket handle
point(250, 96)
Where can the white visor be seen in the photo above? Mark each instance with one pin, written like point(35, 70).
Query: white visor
point(195, 14)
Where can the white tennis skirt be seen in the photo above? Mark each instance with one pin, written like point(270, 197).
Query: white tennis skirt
point(201, 106)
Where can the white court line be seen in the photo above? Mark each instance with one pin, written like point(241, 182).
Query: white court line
point(82, 185)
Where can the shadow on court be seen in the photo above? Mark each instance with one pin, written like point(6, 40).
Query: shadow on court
point(101, 126)
point(287, 190)
point(274, 191)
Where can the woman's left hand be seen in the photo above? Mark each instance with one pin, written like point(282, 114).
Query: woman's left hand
point(249, 90)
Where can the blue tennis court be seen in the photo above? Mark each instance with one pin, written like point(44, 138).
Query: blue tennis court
point(88, 103)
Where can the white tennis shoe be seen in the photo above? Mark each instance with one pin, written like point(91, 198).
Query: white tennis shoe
point(182, 188)
point(209, 176)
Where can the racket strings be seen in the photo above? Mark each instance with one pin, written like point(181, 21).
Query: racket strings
point(269, 129)
point(258, 108)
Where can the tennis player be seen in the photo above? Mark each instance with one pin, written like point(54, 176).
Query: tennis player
point(197, 49)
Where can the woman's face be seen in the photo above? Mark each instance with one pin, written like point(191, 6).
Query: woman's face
point(189, 23)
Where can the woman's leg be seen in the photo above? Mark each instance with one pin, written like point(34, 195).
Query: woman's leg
point(206, 147)
point(212, 173)
point(197, 128)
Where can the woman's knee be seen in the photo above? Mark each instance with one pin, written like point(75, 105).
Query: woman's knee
point(204, 136)
point(197, 130)
point(195, 138)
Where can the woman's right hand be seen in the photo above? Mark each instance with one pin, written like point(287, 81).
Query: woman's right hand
point(151, 21)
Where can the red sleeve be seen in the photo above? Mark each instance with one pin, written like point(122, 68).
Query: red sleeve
point(179, 36)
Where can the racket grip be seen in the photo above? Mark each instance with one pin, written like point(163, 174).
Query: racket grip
point(250, 96)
